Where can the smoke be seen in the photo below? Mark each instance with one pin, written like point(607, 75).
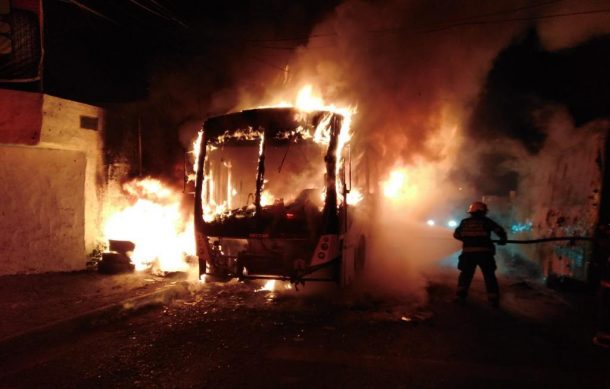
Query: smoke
point(564, 175)
point(438, 91)
point(414, 88)
point(558, 63)
point(416, 81)
point(563, 32)
point(409, 66)
point(405, 254)
point(210, 68)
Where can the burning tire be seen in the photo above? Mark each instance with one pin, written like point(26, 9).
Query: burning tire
point(115, 263)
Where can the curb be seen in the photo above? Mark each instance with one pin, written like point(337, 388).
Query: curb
point(58, 330)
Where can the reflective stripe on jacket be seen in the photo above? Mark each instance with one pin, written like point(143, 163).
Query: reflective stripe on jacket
point(475, 234)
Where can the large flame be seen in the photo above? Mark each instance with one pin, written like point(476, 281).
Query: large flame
point(269, 286)
point(396, 185)
point(305, 101)
point(267, 198)
point(421, 181)
point(154, 221)
point(354, 196)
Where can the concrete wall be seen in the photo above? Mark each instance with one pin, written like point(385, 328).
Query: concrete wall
point(561, 197)
point(42, 221)
point(51, 192)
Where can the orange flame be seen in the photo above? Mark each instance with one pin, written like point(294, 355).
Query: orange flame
point(305, 101)
point(163, 235)
point(269, 286)
point(267, 198)
point(395, 183)
point(354, 196)
point(400, 187)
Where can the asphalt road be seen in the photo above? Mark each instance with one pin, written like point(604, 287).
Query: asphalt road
point(230, 336)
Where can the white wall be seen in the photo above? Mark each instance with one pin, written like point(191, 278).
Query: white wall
point(51, 193)
point(61, 130)
point(42, 216)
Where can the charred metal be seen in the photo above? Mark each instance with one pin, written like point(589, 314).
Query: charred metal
point(285, 240)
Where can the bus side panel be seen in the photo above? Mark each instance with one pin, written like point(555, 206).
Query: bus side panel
point(348, 273)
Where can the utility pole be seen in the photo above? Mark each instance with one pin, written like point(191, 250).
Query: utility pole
point(139, 146)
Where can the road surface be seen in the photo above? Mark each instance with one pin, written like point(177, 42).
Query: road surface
point(233, 336)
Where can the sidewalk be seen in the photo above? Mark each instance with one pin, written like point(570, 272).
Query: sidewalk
point(41, 302)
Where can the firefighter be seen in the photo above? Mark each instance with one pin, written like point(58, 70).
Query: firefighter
point(478, 250)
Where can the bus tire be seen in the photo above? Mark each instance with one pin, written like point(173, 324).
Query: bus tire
point(216, 278)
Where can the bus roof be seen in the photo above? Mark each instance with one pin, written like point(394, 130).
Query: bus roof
point(279, 124)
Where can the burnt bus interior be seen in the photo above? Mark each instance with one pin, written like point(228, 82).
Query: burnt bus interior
point(265, 193)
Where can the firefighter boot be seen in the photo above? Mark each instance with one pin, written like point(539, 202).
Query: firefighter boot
point(494, 299)
point(460, 296)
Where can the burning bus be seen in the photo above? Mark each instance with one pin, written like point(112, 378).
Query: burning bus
point(274, 197)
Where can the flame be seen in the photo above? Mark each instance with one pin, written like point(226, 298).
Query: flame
point(242, 135)
point(196, 149)
point(322, 134)
point(163, 235)
point(211, 209)
point(354, 196)
point(230, 195)
point(267, 198)
point(275, 286)
point(400, 187)
point(269, 286)
point(394, 185)
point(305, 101)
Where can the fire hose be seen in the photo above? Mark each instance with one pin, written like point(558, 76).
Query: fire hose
point(542, 240)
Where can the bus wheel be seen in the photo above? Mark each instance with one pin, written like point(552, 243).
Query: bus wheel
point(213, 275)
point(360, 256)
point(215, 278)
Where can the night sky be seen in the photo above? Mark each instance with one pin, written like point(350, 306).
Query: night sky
point(113, 51)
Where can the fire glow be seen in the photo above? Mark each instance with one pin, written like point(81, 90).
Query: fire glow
point(163, 235)
point(354, 196)
point(415, 185)
point(404, 185)
point(396, 184)
point(305, 101)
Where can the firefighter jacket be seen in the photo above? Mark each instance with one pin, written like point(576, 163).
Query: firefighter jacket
point(475, 234)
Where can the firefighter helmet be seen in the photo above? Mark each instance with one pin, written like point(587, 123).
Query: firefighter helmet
point(477, 206)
